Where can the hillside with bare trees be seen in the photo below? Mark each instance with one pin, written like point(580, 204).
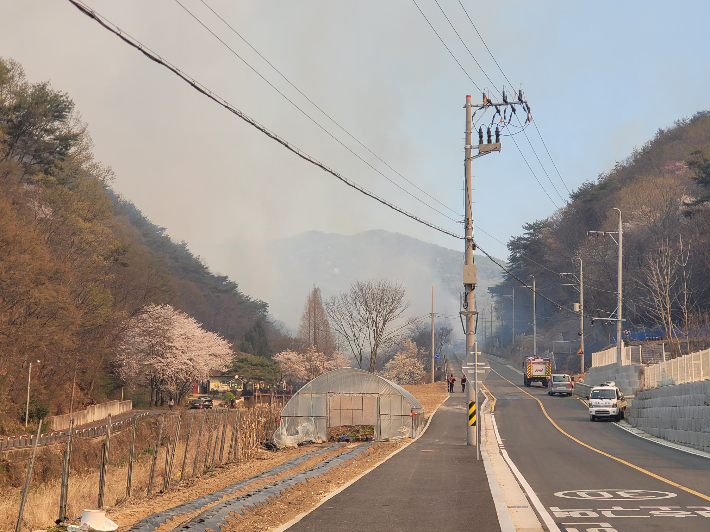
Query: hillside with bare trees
point(662, 192)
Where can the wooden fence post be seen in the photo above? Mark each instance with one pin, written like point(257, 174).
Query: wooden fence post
point(216, 441)
point(224, 435)
point(104, 462)
point(29, 477)
point(155, 456)
point(172, 453)
point(66, 464)
point(165, 467)
point(209, 442)
point(129, 479)
point(231, 442)
point(197, 450)
point(187, 446)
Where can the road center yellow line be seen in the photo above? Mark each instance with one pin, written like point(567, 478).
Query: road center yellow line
point(637, 468)
point(493, 404)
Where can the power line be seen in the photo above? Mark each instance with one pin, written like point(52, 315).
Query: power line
point(506, 78)
point(322, 111)
point(532, 172)
point(523, 283)
point(108, 25)
point(309, 116)
point(477, 87)
point(445, 46)
point(552, 160)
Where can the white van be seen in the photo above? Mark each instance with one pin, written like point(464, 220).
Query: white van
point(606, 402)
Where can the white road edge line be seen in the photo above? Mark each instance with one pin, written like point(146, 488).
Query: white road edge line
point(332, 494)
point(542, 512)
point(504, 519)
point(654, 439)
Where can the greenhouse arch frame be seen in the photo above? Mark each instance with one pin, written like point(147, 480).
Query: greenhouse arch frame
point(349, 397)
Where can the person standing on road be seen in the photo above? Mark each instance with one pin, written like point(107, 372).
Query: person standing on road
point(463, 383)
point(452, 380)
point(171, 403)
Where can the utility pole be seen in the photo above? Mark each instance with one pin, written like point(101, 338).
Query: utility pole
point(619, 280)
point(490, 349)
point(581, 313)
point(469, 269)
point(534, 320)
point(513, 296)
point(432, 335)
point(619, 324)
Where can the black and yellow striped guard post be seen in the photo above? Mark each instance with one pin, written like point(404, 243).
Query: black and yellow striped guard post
point(472, 413)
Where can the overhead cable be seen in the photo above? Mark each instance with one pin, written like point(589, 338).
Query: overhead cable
point(523, 283)
point(506, 78)
point(445, 46)
point(322, 111)
point(221, 101)
point(477, 87)
point(309, 116)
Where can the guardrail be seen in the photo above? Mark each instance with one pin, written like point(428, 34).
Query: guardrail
point(25, 440)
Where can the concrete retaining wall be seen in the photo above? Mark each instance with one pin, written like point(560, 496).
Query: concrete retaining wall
point(91, 414)
point(678, 413)
point(627, 378)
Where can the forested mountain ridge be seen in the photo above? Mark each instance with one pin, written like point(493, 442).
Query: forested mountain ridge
point(76, 264)
point(661, 190)
point(214, 300)
point(332, 261)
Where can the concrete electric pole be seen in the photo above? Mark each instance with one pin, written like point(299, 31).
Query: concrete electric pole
point(581, 313)
point(534, 320)
point(619, 290)
point(432, 335)
point(619, 324)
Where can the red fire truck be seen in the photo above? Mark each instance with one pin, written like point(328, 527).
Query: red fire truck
point(537, 369)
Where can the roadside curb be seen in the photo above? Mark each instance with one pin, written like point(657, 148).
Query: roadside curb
point(504, 519)
point(332, 494)
point(624, 425)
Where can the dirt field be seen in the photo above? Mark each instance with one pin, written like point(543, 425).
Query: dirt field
point(293, 502)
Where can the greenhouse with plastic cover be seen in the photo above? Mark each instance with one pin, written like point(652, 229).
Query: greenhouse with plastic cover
point(349, 397)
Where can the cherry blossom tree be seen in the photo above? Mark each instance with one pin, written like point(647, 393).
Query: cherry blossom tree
point(303, 367)
point(405, 367)
point(167, 349)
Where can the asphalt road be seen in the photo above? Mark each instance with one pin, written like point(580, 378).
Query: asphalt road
point(433, 484)
point(583, 490)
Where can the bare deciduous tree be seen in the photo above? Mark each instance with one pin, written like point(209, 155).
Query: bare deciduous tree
point(363, 316)
point(661, 276)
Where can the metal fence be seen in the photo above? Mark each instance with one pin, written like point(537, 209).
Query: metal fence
point(689, 368)
point(25, 440)
point(633, 354)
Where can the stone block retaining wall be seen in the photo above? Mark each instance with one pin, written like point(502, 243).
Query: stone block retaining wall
point(679, 413)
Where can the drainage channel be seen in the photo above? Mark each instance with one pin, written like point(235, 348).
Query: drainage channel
point(216, 516)
point(153, 521)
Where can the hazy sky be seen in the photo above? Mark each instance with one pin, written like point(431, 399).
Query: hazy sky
point(601, 77)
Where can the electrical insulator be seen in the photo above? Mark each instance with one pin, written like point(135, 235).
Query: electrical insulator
point(520, 96)
point(480, 135)
point(484, 99)
point(497, 135)
point(505, 97)
point(489, 135)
